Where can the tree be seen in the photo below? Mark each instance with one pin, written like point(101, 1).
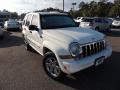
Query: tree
point(22, 16)
point(103, 8)
point(92, 6)
point(81, 4)
point(115, 11)
point(84, 8)
point(4, 10)
point(14, 15)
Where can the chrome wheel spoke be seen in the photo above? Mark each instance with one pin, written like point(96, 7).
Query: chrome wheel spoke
point(49, 67)
point(52, 67)
point(56, 70)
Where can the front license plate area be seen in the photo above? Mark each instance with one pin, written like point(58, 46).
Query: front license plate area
point(99, 61)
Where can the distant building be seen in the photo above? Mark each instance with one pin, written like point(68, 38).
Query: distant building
point(4, 16)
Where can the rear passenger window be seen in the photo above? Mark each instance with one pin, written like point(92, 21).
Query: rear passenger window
point(23, 22)
point(28, 20)
point(35, 20)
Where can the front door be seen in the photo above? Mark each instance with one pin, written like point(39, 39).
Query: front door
point(37, 35)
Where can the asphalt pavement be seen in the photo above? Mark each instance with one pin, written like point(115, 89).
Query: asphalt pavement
point(22, 70)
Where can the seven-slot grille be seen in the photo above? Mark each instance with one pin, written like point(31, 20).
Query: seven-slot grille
point(92, 48)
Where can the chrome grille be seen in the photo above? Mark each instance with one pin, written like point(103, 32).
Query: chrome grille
point(92, 48)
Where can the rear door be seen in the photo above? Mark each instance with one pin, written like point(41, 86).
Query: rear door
point(26, 31)
point(105, 24)
point(99, 23)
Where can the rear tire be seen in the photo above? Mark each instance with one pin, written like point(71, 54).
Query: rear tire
point(27, 46)
point(51, 66)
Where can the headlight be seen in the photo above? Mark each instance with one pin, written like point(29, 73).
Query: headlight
point(74, 49)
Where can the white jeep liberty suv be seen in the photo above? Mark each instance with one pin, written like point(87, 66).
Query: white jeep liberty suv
point(66, 48)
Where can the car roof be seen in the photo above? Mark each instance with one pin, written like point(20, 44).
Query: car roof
point(88, 17)
point(48, 13)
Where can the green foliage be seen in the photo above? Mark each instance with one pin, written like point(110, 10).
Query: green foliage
point(115, 11)
point(14, 15)
point(22, 16)
point(100, 9)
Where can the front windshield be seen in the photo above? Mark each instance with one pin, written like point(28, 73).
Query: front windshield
point(56, 21)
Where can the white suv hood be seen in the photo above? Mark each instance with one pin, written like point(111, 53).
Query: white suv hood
point(74, 34)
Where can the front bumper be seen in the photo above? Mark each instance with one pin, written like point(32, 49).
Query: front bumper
point(73, 66)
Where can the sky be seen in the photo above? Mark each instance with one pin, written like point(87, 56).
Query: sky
point(24, 6)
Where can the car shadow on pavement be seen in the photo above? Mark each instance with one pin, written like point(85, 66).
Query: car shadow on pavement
point(10, 40)
point(104, 77)
point(113, 33)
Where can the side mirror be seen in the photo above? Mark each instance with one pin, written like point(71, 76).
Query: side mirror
point(33, 27)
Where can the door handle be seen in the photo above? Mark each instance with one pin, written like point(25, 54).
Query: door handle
point(30, 31)
point(41, 36)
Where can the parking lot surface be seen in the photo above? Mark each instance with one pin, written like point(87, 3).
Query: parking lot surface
point(22, 70)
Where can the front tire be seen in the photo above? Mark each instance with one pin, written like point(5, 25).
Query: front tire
point(51, 66)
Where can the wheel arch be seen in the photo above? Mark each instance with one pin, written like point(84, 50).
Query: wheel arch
point(53, 49)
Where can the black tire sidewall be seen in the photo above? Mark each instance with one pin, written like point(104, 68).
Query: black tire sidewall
point(27, 46)
point(48, 55)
